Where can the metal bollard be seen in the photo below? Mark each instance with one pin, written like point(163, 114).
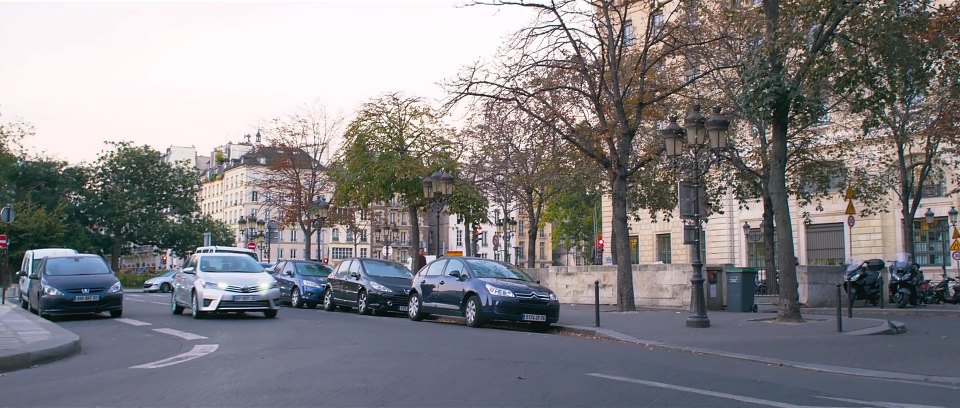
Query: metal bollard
point(882, 292)
point(839, 311)
point(596, 302)
point(849, 302)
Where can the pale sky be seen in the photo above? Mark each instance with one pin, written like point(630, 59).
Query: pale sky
point(205, 73)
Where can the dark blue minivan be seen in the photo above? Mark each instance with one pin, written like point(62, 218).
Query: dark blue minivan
point(480, 290)
point(75, 284)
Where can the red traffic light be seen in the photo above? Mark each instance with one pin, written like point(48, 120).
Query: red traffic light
point(600, 243)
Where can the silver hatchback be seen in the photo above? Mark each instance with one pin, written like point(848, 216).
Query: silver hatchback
point(224, 282)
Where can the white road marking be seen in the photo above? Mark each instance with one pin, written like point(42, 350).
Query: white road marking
point(880, 403)
point(198, 351)
point(740, 398)
point(131, 322)
point(180, 334)
point(161, 303)
point(136, 300)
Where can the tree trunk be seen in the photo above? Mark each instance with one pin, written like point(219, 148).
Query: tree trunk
point(115, 255)
point(625, 296)
point(907, 212)
point(768, 229)
point(789, 305)
point(414, 235)
point(532, 250)
point(307, 245)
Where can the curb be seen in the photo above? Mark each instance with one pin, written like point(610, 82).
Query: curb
point(61, 344)
point(886, 327)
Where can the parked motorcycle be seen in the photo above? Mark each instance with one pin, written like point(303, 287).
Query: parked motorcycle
point(862, 280)
point(942, 292)
point(905, 279)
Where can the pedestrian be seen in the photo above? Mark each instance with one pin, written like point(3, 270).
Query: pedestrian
point(421, 261)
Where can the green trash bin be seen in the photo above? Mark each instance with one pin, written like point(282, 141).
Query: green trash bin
point(741, 287)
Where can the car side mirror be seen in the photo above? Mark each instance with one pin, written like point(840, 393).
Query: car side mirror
point(354, 275)
point(455, 274)
point(21, 273)
point(33, 275)
point(189, 271)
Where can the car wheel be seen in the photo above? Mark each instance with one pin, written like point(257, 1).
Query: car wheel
point(195, 306)
point(176, 308)
point(414, 308)
point(116, 313)
point(362, 307)
point(270, 314)
point(471, 311)
point(328, 304)
point(165, 287)
point(295, 301)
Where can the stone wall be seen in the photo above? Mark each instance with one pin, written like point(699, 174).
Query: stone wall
point(668, 286)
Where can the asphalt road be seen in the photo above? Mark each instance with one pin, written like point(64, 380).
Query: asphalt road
point(319, 358)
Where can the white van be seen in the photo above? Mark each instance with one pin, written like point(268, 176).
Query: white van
point(229, 249)
point(31, 260)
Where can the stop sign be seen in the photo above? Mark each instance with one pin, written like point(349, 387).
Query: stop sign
point(3, 241)
point(250, 245)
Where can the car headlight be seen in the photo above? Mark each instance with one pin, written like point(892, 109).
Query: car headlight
point(52, 291)
point(214, 285)
point(377, 286)
point(311, 284)
point(495, 291)
point(117, 287)
point(267, 285)
point(553, 296)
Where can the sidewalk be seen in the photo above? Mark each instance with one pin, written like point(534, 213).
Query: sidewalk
point(27, 339)
point(907, 344)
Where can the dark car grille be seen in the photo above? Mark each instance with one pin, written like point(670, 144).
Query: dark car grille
point(230, 304)
point(243, 289)
point(400, 300)
point(88, 290)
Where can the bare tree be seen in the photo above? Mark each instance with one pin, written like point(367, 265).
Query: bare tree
point(580, 70)
point(296, 162)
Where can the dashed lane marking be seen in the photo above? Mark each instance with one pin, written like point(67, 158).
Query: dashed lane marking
point(180, 334)
point(740, 398)
point(132, 322)
point(199, 350)
point(161, 303)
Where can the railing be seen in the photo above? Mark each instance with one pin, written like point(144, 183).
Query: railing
point(764, 288)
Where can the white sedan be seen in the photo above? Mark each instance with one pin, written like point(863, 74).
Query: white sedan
point(224, 282)
point(161, 283)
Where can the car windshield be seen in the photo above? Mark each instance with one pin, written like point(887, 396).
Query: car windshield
point(313, 269)
point(496, 270)
point(231, 264)
point(168, 274)
point(386, 269)
point(76, 266)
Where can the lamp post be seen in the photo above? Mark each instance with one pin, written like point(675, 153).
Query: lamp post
point(506, 227)
point(249, 227)
point(272, 227)
point(687, 147)
point(437, 189)
point(318, 211)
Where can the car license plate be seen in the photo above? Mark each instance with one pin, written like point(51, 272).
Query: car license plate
point(402, 308)
point(247, 298)
point(534, 317)
point(86, 298)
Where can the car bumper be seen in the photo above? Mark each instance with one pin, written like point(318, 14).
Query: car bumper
point(312, 295)
point(387, 302)
point(222, 301)
point(64, 305)
point(151, 287)
point(516, 310)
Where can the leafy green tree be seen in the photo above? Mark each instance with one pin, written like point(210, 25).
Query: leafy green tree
point(391, 145)
point(132, 196)
point(36, 227)
point(906, 86)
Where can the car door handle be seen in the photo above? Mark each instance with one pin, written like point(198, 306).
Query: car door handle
point(423, 282)
point(441, 282)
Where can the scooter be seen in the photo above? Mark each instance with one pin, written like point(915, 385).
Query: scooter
point(942, 292)
point(862, 281)
point(905, 278)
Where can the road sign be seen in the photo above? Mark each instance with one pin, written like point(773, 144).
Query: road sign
point(7, 214)
point(851, 220)
point(849, 194)
point(850, 209)
point(956, 234)
point(956, 256)
point(955, 246)
point(3, 241)
point(251, 245)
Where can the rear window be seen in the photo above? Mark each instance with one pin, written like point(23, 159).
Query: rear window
point(76, 266)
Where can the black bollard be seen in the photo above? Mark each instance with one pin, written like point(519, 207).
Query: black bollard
point(596, 302)
point(849, 301)
point(839, 311)
point(881, 292)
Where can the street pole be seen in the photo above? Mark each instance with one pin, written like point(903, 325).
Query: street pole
point(698, 311)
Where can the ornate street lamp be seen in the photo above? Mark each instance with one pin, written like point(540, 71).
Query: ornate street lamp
point(318, 211)
point(750, 234)
point(692, 157)
point(437, 189)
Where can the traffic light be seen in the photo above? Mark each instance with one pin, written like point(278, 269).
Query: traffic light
point(600, 244)
point(326, 260)
point(163, 260)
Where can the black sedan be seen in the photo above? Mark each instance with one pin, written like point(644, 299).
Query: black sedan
point(480, 290)
point(369, 285)
point(75, 284)
point(301, 282)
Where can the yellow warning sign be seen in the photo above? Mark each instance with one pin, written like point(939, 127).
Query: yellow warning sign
point(849, 194)
point(956, 233)
point(955, 246)
point(850, 209)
